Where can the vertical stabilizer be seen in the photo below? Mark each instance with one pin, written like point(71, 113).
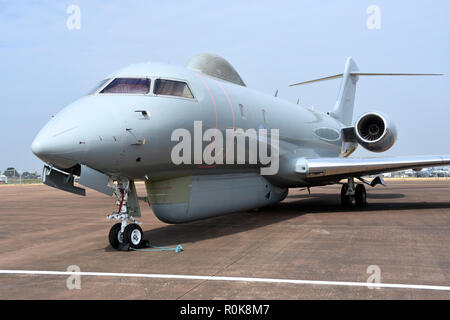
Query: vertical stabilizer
point(343, 109)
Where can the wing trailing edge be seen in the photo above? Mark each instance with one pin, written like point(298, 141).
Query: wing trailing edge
point(339, 168)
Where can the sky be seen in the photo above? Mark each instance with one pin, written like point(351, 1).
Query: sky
point(44, 65)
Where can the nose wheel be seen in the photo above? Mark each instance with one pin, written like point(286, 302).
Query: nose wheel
point(116, 235)
point(133, 235)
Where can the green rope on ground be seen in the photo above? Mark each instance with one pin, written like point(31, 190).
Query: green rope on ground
point(177, 249)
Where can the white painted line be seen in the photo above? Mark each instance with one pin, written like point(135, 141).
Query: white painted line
point(217, 278)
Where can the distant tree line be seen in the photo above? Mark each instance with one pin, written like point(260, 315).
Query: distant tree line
point(13, 173)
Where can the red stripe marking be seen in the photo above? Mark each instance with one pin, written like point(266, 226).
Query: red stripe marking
point(213, 101)
point(217, 117)
point(229, 101)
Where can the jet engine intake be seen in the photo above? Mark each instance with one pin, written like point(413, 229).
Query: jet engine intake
point(375, 132)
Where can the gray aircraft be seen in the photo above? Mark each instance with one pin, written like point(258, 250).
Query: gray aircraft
point(128, 129)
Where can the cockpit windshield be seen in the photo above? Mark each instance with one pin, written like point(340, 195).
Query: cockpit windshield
point(128, 85)
point(172, 88)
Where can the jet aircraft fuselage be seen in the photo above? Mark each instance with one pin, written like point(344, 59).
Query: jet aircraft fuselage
point(153, 122)
point(129, 134)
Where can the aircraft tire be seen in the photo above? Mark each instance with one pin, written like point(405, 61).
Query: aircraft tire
point(360, 196)
point(346, 200)
point(115, 237)
point(133, 235)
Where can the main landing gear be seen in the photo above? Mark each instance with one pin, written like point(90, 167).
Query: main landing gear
point(350, 191)
point(121, 233)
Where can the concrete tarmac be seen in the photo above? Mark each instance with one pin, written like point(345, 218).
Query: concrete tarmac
point(405, 231)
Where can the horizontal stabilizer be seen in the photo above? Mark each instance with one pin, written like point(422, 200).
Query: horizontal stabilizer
point(394, 74)
point(365, 74)
point(318, 80)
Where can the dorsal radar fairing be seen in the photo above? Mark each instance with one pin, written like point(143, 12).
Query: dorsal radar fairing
point(215, 66)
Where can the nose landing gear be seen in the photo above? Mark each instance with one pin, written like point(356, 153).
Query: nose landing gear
point(350, 191)
point(122, 235)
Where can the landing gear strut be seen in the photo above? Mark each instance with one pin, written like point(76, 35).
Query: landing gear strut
point(350, 191)
point(120, 233)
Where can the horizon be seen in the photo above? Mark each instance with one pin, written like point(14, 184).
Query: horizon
point(49, 65)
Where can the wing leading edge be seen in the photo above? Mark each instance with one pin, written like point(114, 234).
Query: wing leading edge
point(340, 168)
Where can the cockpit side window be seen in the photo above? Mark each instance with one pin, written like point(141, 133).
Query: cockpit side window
point(172, 88)
point(128, 85)
point(98, 86)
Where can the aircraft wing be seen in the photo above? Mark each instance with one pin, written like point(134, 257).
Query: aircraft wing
point(339, 168)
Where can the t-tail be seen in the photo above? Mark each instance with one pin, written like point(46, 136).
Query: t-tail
point(343, 109)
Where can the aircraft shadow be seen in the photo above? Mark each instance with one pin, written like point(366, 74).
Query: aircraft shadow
point(235, 223)
point(369, 196)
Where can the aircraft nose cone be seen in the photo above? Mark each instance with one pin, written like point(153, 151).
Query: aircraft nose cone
point(44, 147)
point(39, 148)
point(58, 145)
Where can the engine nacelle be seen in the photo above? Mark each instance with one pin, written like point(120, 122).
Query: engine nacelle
point(375, 132)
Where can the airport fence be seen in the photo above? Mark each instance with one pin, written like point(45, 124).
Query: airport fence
point(22, 181)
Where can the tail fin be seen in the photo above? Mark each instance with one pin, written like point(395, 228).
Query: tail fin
point(343, 109)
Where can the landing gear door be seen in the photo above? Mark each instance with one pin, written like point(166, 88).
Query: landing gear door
point(95, 180)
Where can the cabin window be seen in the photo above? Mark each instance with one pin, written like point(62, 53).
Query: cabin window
point(128, 85)
point(172, 88)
